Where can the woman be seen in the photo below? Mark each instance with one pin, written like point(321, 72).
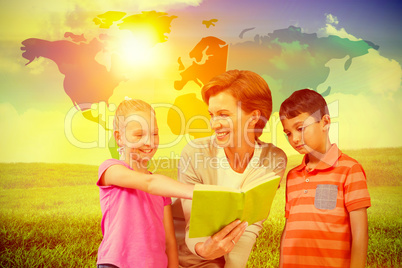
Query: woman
point(240, 105)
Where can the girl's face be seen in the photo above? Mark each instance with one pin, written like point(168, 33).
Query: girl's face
point(140, 137)
point(230, 123)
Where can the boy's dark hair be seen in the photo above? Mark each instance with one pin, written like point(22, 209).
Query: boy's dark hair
point(304, 101)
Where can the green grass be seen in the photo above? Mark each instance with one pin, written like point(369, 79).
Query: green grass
point(382, 166)
point(50, 214)
point(49, 226)
point(385, 230)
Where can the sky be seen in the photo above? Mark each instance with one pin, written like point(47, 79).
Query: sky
point(349, 51)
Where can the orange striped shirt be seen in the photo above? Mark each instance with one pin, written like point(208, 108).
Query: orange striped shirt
point(318, 203)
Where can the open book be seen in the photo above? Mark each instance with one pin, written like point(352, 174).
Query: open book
point(214, 207)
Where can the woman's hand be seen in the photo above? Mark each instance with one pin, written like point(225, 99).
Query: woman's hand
point(222, 242)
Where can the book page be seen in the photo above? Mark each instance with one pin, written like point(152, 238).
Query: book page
point(214, 207)
point(213, 210)
point(258, 200)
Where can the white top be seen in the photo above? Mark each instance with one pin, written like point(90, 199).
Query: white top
point(226, 175)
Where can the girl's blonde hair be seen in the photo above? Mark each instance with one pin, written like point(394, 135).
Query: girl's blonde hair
point(247, 87)
point(126, 108)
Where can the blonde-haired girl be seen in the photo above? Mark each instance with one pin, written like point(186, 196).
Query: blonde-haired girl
point(137, 223)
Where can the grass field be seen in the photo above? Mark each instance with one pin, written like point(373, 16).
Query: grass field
point(50, 214)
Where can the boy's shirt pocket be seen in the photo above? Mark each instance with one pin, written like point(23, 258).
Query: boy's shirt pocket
point(326, 196)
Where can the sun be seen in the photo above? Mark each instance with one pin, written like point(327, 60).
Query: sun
point(137, 50)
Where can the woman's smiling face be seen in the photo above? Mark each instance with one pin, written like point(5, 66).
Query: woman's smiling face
point(229, 121)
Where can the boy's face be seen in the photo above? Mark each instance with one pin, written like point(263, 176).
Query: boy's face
point(140, 138)
point(306, 134)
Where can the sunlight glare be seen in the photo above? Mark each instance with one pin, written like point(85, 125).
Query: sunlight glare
point(136, 50)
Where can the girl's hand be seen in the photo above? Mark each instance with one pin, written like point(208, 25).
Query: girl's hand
point(222, 242)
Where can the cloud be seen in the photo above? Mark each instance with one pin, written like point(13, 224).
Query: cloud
point(164, 5)
point(67, 137)
point(42, 136)
point(134, 6)
point(366, 121)
point(357, 122)
point(368, 74)
point(9, 63)
point(331, 19)
point(304, 57)
point(21, 19)
point(330, 29)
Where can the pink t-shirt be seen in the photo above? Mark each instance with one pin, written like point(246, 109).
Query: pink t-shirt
point(132, 225)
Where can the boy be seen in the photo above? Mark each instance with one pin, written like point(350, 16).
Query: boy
point(326, 196)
